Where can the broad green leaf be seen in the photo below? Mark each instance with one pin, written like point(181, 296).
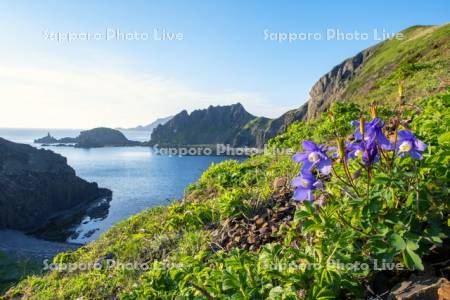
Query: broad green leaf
point(397, 242)
point(412, 260)
point(411, 245)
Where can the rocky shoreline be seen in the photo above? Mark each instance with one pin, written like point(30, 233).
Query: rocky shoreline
point(38, 188)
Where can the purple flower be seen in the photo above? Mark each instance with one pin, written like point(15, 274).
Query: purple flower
point(365, 150)
point(355, 150)
point(313, 156)
point(370, 154)
point(407, 143)
point(373, 131)
point(304, 185)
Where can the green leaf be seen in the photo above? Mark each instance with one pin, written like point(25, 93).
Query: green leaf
point(412, 260)
point(444, 138)
point(300, 215)
point(411, 245)
point(397, 242)
point(309, 226)
point(309, 207)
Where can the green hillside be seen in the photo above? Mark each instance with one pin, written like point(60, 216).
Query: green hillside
point(421, 61)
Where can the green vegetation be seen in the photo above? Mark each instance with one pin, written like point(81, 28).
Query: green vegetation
point(420, 60)
point(404, 213)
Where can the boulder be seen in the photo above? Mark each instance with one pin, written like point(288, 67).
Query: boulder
point(421, 288)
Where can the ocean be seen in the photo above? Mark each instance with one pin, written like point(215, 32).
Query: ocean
point(138, 177)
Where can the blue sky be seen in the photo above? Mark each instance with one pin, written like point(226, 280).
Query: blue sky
point(222, 58)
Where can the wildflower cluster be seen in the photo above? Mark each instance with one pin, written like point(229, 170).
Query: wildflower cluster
point(368, 145)
point(314, 157)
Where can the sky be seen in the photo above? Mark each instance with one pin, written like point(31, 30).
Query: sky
point(84, 64)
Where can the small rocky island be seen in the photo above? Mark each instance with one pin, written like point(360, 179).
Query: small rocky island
point(94, 138)
point(37, 187)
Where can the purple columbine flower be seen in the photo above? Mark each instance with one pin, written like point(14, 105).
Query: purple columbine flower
point(407, 143)
point(373, 131)
point(370, 155)
point(304, 185)
point(365, 150)
point(313, 156)
point(355, 150)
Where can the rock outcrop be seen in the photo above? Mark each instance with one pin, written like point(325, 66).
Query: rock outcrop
point(94, 138)
point(421, 288)
point(231, 125)
point(214, 125)
point(37, 184)
point(103, 137)
point(331, 86)
point(48, 139)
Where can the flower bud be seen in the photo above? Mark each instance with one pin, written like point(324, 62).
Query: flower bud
point(341, 147)
point(362, 122)
point(400, 90)
point(373, 111)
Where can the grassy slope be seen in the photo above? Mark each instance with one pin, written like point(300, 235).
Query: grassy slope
point(421, 61)
point(181, 233)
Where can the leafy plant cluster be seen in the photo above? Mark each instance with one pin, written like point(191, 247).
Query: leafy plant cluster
point(394, 213)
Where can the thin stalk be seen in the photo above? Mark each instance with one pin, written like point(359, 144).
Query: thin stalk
point(349, 177)
point(341, 217)
point(368, 183)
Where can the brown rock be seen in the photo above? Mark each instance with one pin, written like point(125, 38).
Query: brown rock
point(264, 230)
point(279, 183)
point(444, 292)
point(259, 221)
point(421, 288)
point(255, 218)
point(284, 209)
point(274, 229)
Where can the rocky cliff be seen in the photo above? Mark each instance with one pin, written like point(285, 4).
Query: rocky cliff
point(214, 125)
point(331, 86)
point(231, 125)
point(37, 184)
point(419, 59)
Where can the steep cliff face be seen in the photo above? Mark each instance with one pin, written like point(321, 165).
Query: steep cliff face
point(36, 184)
point(331, 86)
